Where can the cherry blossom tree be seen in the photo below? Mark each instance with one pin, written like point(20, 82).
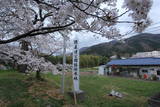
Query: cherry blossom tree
point(27, 18)
point(34, 22)
point(32, 59)
point(16, 57)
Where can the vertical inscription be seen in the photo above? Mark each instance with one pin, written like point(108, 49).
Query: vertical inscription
point(75, 69)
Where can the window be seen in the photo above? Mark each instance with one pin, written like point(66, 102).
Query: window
point(152, 69)
point(75, 41)
point(145, 71)
point(158, 72)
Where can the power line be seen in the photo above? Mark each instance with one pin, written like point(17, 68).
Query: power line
point(155, 23)
point(153, 28)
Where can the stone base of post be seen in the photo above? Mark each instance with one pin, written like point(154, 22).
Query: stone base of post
point(80, 95)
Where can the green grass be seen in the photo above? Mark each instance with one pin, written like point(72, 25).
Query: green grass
point(97, 88)
point(89, 69)
point(135, 92)
point(18, 90)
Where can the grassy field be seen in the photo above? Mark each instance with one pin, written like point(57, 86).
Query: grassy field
point(18, 90)
point(97, 88)
point(89, 69)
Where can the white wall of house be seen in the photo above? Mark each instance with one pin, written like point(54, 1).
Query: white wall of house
point(101, 70)
point(134, 74)
point(110, 69)
point(147, 54)
point(150, 71)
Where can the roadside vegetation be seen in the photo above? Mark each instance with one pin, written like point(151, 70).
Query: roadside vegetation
point(85, 60)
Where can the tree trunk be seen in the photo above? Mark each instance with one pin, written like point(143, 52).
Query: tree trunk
point(22, 68)
point(24, 45)
point(38, 76)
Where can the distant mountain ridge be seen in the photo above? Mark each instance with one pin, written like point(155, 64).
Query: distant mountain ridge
point(83, 49)
point(140, 43)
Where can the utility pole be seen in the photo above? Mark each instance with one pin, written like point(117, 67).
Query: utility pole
point(64, 63)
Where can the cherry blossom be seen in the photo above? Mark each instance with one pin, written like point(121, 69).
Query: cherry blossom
point(15, 56)
point(34, 22)
point(27, 18)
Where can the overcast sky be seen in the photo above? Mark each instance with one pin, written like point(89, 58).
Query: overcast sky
point(89, 39)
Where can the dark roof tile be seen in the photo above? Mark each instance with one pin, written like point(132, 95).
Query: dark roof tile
point(135, 61)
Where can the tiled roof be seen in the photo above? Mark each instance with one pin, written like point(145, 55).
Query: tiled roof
point(135, 61)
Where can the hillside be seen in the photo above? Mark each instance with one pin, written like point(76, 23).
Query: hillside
point(139, 43)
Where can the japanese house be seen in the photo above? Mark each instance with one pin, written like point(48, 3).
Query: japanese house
point(148, 68)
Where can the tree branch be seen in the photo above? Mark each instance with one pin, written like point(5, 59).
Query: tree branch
point(111, 20)
point(36, 32)
point(49, 5)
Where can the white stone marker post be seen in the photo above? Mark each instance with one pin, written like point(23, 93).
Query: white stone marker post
point(77, 93)
point(75, 67)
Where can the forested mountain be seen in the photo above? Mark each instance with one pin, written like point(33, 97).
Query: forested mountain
point(139, 43)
